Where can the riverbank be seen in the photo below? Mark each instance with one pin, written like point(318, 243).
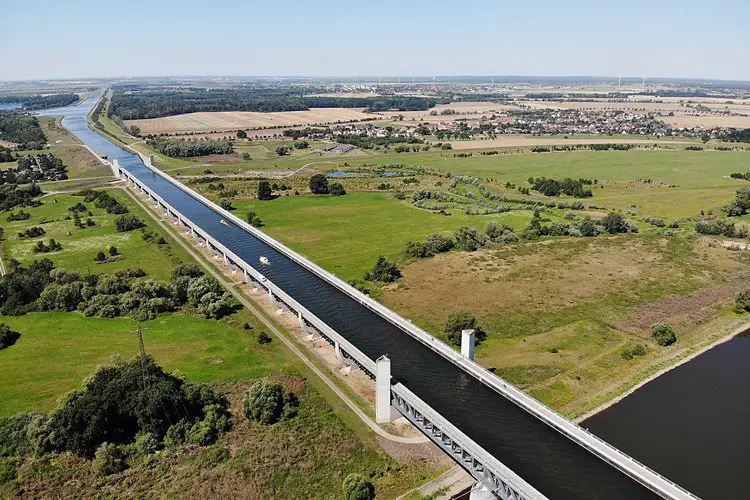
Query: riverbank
point(726, 338)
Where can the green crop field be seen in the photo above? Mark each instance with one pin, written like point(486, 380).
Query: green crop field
point(80, 246)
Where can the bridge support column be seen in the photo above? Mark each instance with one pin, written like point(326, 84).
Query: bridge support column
point(226, 260)
point(468, 338)
point(245, 276)
point(302, 323)
point(192, 231)
point(383, 390)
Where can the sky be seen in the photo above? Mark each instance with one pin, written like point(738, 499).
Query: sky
point(45, 39)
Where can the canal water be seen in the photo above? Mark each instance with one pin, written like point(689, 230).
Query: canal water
point(550, 462)
point(692, 424)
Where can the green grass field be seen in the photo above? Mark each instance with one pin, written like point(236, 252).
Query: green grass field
point(57, 351)
point(346, 234)
point(80, 246)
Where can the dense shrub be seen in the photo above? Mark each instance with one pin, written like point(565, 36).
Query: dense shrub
point(417, 250)
point(109, 459)
point(268, 402)
point(664, 334)
point(21, 287)
point(8, 337)
point(337, 189)
point(462, 320)
point(14, 439)
point(614, 223)
point(716, 227)
point(127, 222)
point(383, 271)
point(741, 203)
point(356, 487)
point(630, 353)
point(742, 301)
point(438, 243)
point(468, 239)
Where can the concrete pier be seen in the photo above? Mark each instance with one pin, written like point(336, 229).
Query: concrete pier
point(468, 339)
point(383, 390)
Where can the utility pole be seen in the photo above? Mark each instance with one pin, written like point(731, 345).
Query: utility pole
point(139, 331)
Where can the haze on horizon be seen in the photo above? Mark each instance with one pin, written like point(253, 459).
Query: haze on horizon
point(337, 38)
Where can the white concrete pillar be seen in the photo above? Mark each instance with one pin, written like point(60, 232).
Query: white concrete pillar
point(337, 349)
point(468, 338)
point(226, 260)
point(246, 279)
point(192, 231)
point(152, 160)
point(383, 390)
point(301, 321)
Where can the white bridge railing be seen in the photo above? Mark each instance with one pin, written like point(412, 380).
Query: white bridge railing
point(605, 451)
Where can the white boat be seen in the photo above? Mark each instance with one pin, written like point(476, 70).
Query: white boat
point(222, 221)
point(265, 261)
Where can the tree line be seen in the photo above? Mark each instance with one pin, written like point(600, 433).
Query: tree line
point(21, 128)
point(141, 102)
point(37, 101)
point(184, 149)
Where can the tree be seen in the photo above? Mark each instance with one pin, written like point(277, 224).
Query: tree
point(241, 134)
point(337, 189)
point(384, 271)
point(459, 321)
point(246, 156)
point(319, 184)
point(356, 487)
point(100, 257)
point(264, 190)
point(282, 150)
point(664, 334)
point(615, 223)
point(267, 402)
point(128, 222)
point(113, 251)
point(301, 145)
point(587, 227)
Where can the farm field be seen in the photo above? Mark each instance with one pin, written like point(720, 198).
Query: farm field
point(233, 120)
point(80, 246)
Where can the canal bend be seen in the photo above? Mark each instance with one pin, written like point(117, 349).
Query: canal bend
point(553, 464)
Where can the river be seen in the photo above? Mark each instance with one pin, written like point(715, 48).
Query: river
point(658, 429)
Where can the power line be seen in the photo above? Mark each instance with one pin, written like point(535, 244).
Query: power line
point(139, 331)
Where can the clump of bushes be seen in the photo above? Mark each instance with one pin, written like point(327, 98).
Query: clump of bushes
point(664, 334)
point(742, 301)
point(52, 246)
point(268, 402)
point(630, 353)
point(20, 215)
point(8, 337)
point(128, 222)
point(716, 227)
point(356, 487)
point(383, 271)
